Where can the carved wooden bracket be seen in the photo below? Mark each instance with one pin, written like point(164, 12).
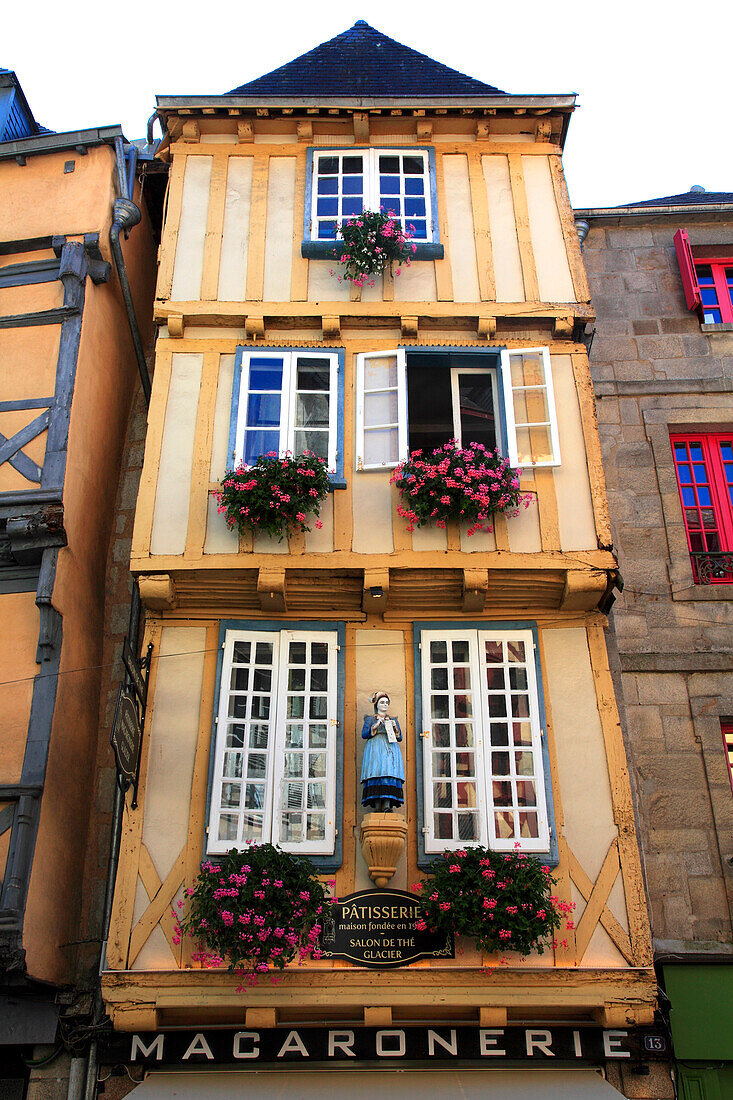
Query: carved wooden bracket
point(331, 327)
point(475, 585)
point(583, 589)
point(157, 591)
point(376, 590)
point(191, 131)
point(175, 325)
point(254, 326)
point(361, 127)
point(245, 131)
point(563, 327)
point(486, 327)
point(409, 327)
point(304, 130)
point(271, 589)
point(482, 130)
point(424, 130)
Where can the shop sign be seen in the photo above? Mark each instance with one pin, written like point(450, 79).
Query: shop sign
point(309, 1045)
point(376, 928)
point(129, 720)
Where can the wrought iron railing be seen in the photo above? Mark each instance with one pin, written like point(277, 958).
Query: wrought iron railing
point(713, 568)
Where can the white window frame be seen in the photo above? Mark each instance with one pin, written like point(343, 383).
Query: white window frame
point(486, 826)
point(455, 373)
point(508, 393)
point(288, 400)
point(399, 354)
point(371, 186)
point(274, 777)
point(509, 390)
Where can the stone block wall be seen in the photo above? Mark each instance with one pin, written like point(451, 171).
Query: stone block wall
point(656, 370)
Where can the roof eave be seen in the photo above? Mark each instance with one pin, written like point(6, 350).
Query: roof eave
point(53, 143)
point(509, 102)
point(10, 78)
point(642, 212)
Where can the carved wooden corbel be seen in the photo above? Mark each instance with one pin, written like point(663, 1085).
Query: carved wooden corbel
point(409, 327)
point(475, 586)
point(331, 327)
point(157, 591)
point(254, 326)
point(486, 328)
point(175, 325)
point(271, 589)
point(376, 590)
point(304, 130)
point(245, 132)
point(191, 131)
point(361, 127)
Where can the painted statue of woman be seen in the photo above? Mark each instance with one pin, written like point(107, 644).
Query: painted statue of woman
point(382, 770)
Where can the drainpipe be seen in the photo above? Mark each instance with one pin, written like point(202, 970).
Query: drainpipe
point(126, 215)
point(90, 1082)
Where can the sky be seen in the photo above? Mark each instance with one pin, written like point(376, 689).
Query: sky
point(654, 114)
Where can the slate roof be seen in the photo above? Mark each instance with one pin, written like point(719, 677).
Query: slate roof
point(689, 198)
point(364, 62)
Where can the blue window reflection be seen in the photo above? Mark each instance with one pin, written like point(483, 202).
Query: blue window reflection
point(265, 374)
point(259, 443)
point(263, 409)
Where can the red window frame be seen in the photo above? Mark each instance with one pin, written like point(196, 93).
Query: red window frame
point(710, 293)
point(703, 463)
point(726, 728)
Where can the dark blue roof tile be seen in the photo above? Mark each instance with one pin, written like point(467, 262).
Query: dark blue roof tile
point(364, 62)
point(689, 198)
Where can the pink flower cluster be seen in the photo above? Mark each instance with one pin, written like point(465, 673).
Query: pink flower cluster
point(373, 242)
point(463, 484)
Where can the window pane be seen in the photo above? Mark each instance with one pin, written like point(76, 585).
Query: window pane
point(265, 374)
point(533, 445)
point(328, 166)
point(476, 410)
point(311, 410)
point(380, 373)
point(263, 410)
point(429, 401)
point(257, 444)
point(380, 446)
point(314, 374)
point(352, 165)
point(527, 370)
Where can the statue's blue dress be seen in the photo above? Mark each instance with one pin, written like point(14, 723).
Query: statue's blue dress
point(382, 770)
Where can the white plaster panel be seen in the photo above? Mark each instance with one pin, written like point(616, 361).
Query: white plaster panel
point(279, 231)
point(189, 265)
point(585, 788)
point(372, 510)
point(461, 229)
point(429, 538)
point(269, 544)
point(572, 484)
point(602, 951)
point(373, 293)
point(416, 283)
point(173, 736)
point(482, 542)
point(548, 244)
point(323, 286)
point(220, 539)
point(155, 953)
point(170, 517)
point(524, 529)
point(235, 230)
point(380, 666)
point(504, 243)
point(321, 542)
point(220, 458)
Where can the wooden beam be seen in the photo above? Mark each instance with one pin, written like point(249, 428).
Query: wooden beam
point(198, 506)
point(377, 1016)
point(214, 229)
point(257, 229)
point(299, 274)
point(547, 504)
point(524, 235)
point(482, 229)
point(596, 903)
point(161, 895)
point(172, 222)
point(569, 232)
point(460, 313)
point(157, 591)
point(594, 457)
point(443, 273)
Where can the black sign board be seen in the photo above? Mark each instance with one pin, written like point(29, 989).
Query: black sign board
point(135, 669)
point(528, 1046)
point(126, 736)
point(376, 928)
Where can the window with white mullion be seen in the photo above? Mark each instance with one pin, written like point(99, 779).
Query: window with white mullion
point(512, 742)
point(381, 414)
point(530, 407)
point(339, 181)
point(483, 767)
point(287, 402)
point(241, 797)
point(304, 814)
point(401, 184)
point(454, 785)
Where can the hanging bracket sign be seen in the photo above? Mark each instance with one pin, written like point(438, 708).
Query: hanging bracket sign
point(129, 720)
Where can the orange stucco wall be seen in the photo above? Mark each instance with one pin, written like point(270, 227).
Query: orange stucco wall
point(39, 200)
point(17, 670)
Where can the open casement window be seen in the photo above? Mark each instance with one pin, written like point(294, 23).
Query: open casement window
point(346, 182)
point(285, 401)
point(417, 399)
point(275, 756)
point(484, 770)
point(707, 279)
point(704, 466)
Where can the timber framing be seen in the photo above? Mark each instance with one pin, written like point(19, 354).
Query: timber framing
point(149, 1001)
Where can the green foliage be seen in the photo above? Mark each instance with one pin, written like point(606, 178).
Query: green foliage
point(274, 494)
point(502, 900)
point(373, 241)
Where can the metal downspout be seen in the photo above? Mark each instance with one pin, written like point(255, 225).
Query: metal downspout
point(126, 215)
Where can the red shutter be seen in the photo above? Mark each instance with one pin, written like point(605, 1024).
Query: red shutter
point(687, 269)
